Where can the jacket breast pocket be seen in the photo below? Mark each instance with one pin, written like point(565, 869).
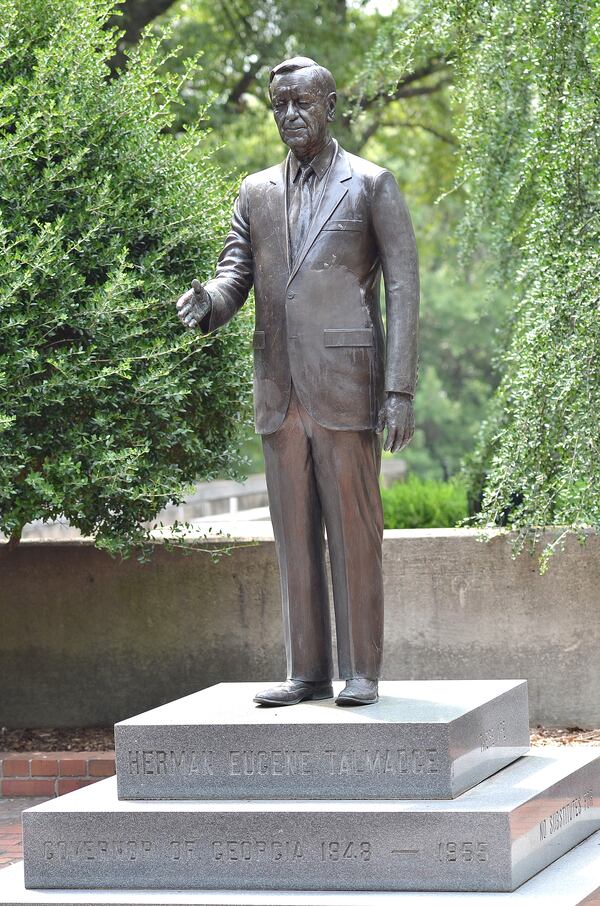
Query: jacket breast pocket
point(344, 226)
point(352, 336)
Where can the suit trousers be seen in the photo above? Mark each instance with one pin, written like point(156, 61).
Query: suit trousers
point(318, 477)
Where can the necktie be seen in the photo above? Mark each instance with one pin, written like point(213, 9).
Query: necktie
point(300, 208)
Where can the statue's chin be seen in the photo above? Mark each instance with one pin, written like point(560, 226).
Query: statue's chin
point(299, 150)
point(297, 144)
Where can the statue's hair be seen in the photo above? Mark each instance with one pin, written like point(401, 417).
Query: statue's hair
point(294, 63)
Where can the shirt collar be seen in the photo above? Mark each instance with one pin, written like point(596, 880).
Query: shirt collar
point(320, 162)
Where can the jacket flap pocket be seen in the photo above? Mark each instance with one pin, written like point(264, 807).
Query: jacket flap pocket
point(344, 225)
point(354, 336)
point(259, 339)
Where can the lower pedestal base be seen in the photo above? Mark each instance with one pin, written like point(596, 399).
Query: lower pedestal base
point(572, 880)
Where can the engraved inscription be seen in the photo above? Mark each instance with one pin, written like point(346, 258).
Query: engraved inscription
point(566, 814)
point(257, 850)
point(89, 850)
point(170, 761)
point(463, 851)
point(384, 761)
point(183, 850)
point(279, 763)
point(283, 762)
point(492, 736)
point(337, 851)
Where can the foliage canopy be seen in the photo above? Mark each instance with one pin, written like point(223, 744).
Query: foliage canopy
point(109, 409)
point(527, 89)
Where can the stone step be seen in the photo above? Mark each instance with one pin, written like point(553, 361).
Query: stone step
point(422, 740)
point(492, 838)
point(572, 880)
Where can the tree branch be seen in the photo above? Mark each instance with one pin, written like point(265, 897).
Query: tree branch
point(367, 133)
point(410, 124)
point(243, 84)
point(402, 89)
point(133, 16)
point(423, 90)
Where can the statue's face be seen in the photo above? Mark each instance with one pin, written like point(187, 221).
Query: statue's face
point(302, 110)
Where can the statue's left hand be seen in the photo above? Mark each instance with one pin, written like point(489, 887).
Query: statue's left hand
point(398, 416)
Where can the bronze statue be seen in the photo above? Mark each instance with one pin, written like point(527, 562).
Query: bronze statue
point(313, 234)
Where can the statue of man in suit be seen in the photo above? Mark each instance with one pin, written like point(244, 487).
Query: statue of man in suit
point(313, 235)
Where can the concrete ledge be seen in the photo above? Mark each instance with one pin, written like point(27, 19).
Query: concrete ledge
point(89, 640)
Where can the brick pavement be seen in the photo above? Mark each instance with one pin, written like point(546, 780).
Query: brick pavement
point(28, 778)
point(51, 773)
point(10, 827)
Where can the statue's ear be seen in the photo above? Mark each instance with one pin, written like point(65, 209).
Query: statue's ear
point(331, 102)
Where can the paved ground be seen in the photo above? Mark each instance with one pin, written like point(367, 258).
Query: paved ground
point(10, 828)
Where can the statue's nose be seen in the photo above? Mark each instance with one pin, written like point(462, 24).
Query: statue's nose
point(291, 112)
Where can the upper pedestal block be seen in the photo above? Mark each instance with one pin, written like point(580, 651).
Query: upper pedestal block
point(422, 740)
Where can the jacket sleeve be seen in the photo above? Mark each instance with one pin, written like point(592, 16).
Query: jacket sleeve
point(399, 262)
point(234, 276)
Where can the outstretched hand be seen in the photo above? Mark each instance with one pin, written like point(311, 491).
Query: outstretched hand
point(398, 417)
point(194, 305)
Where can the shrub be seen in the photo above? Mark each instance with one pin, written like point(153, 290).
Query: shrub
point(109, 408)
point(419, 503)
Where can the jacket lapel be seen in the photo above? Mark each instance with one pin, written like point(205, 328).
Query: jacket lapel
point(277, 204)
point(334, 190)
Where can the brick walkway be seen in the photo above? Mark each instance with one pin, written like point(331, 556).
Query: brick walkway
point(10, 827)
point(34, 777)
point(51, 773)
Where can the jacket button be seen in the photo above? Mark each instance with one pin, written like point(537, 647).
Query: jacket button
point(291, 294)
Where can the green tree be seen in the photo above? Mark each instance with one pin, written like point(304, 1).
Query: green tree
point(527, 90)
point(109, 409)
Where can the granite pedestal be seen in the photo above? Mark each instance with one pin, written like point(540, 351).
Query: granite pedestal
point(572, 880)
point(491, 838)
point(422, 740)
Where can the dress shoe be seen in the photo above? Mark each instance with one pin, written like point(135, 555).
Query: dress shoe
point(358, 691)
point(292, 691)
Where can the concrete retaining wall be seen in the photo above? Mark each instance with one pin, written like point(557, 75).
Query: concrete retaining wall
point(88, 640)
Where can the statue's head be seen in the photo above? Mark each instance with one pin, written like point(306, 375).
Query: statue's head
point(303, 98)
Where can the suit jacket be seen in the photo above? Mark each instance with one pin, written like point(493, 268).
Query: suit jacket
point(318, 319)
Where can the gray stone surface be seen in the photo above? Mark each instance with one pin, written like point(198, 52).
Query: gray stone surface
point(152, 632)
point(422, 740)
point(570, 881)
point(493, 837)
